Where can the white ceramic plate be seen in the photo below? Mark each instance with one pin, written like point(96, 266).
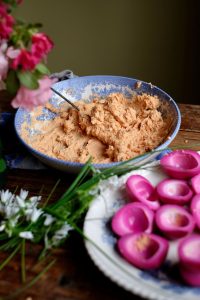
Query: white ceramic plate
point(161, 284)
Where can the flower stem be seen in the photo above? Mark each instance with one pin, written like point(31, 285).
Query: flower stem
point(7, 260)
point(23, 265)
point(51, 193)
point(30, 283)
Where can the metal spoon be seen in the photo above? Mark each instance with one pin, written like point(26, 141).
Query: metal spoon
point(59, 94)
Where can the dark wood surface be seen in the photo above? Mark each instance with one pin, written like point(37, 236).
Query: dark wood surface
point(73, 276)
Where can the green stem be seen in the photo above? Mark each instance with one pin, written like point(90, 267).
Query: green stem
point(30, 283)
point(101, 250)
point(51, 193)
point(23, 264)
point(76, 182)
point(6, 261)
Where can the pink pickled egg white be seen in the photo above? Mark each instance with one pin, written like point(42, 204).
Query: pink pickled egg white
point(174, 221)
point(140, 189)
point(181, 164)
point(143, 250)
point(190, 277)
point(195, 183)
point(195, 209)
point(189, 252)
point(174, 191)
point(132, 218)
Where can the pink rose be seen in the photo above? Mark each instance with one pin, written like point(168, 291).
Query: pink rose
point(26, 60)
point(6, 22)
point(29, 99)
point(41, 45)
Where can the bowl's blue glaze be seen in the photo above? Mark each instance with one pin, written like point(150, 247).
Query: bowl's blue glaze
point(85, 88)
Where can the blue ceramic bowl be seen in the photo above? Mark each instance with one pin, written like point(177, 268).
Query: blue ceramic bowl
point(85, 88)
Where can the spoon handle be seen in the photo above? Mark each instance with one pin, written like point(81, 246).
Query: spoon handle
point(59, 94)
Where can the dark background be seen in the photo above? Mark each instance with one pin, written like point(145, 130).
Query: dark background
point(157, 41)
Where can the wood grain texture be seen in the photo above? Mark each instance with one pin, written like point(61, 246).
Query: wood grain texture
point(74, 276)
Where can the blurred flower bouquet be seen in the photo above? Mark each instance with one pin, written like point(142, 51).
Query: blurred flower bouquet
point(23, 55)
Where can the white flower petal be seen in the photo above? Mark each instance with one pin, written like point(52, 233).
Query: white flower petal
point(61, 233)
point(26, 235)
point(13, 221)
point(35, 199)
point(36, 214)
point(2, 226)
point(6, 196)
point(49, 220)
point(8, 212)
point(23, 194)
point(20, 202)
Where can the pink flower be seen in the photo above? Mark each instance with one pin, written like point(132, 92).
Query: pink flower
point(6, 53)
point(6, 22)
point(29, 99)
point(12, 52)
point(3, 66)
point(26, 60)
point(4, 63)
point(41, 45)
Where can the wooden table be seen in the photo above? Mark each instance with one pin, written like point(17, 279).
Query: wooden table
point(74, 276)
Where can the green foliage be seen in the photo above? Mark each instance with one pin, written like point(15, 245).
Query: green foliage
point(28, 79)
point(12, 3)
point(22, 33)
point(12, 82)
point(42, 69)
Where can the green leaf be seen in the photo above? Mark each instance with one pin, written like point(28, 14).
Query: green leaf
point(12, 82)
point(42, 69)
point(28, 79)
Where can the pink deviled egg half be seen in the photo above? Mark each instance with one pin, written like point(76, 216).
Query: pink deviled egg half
point(132, 218)
point(143, 250)
point(181, 164)
point(174, 221)
point(140, 189)
point(174, 191)
point(195, 209)
point(189, 256)
point(195, 183)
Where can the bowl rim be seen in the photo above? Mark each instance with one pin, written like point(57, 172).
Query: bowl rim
point(102, 165)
